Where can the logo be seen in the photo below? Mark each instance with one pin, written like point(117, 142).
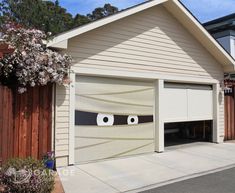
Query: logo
point(19, 177)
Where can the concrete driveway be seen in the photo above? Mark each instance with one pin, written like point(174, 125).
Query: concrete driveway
point(135, 174)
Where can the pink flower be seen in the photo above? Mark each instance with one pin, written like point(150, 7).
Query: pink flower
point(32, 63)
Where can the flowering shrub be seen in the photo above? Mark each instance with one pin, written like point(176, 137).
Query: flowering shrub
point(3, 187)
point(26, 175)
point(31, 63)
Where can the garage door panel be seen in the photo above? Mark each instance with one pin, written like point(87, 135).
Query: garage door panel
point(113, 149)
point(146, 147)
point(200, 104)
point(83, 143)
point(93, 143)
point(114, 107)
point(117, 101)
point(125, 132)
point(187, 102)
point(175, 105)
point(101, 86)
point(143, 96)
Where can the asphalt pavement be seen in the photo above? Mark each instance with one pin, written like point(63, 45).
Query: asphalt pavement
point(220, 182)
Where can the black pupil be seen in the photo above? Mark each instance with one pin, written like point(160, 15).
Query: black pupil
point(132, 120)
point(105, 119)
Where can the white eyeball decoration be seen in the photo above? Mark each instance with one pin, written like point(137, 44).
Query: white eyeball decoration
point(132, 120)
point(105, 119)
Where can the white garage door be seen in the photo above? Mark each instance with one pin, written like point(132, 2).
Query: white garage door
point(187, 102)
point(113, 118)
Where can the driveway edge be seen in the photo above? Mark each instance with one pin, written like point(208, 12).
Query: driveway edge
point(172, 181)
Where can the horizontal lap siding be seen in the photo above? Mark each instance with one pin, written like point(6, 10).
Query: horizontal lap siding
point(149, 42)
point(62, 125)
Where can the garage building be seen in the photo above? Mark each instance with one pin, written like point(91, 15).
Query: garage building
point(140, 79)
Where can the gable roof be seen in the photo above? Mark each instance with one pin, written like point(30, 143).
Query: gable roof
point(101, 22)
point(221, 24)
point(228, 18)
point(177, 9)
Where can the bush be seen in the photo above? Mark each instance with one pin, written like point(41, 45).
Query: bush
point(31, 63)
point(27, 176)
point(3, 188)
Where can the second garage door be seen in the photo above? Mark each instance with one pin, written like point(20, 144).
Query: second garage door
point(187, 102)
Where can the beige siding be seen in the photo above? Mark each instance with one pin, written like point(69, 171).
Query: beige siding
point(151, 42)
point(62, 125)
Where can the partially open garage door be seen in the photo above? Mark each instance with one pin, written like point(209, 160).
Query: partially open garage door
point(187, 102)
point(113, 118)
point(188, 113)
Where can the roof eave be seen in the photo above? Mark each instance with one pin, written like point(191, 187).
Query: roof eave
point(201, 34)
point(229, 68)
point(57, 40)
point(177, 10)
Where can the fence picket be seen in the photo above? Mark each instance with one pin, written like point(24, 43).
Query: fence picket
point(25, 122)
point(229, 118)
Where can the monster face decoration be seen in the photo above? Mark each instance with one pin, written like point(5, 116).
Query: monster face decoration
point(113, 118)
point(102, 119)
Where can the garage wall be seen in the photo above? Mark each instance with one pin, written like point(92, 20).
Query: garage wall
point(62, 117)
point(148, 44)
point(151, 41)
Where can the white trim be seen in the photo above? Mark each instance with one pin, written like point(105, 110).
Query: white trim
point(102, 22)
point(158, 118)
point(72, 118)
point(53, 117)
point(62, 44)
point(186, 119)
point(232, 46)
point(216, 129)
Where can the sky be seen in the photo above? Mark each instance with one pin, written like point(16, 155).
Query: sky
point(204, 10)
point(87, 6)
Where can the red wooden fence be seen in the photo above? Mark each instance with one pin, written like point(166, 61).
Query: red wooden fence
point(229, 107)
point(25, 122)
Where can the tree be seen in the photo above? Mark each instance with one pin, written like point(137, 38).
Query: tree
point(48, 16)
point(27, 12)
point(80, 20)
point(44, 15)
point(57, 19)
point(3, 11)
point(110, 10)
point(102, 12)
